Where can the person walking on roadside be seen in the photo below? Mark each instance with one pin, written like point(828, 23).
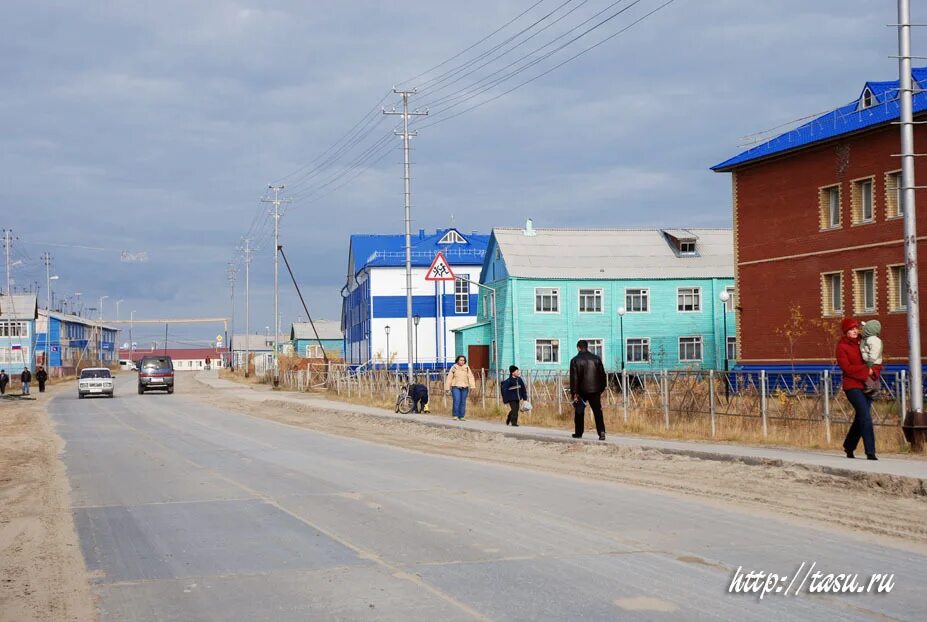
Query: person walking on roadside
point(513, 392)
point(4, 380)
point(25, 378)
point(459, 381)
point(41, 376)
point(587, 382)
point(855, 374)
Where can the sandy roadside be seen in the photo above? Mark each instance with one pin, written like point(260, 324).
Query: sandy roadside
point(884, 506)
point(42, 572)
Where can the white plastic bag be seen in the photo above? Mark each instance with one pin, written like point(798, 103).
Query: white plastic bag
point(526, 405)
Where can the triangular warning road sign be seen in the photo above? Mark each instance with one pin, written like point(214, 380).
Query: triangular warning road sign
point(440, 270)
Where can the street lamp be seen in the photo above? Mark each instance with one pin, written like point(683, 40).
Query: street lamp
point(387, 346)
point(725, 297)
point(49, 302)
point(621, 312)
point(495, 324)
point(416, 319)
point(131, 323)
point(118, 302)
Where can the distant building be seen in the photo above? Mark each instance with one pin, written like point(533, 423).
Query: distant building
point(819, 232)
point(18, 314)
point(557, 286)
point(305, 344)
point(185, 359)
point(65, 342)
point(261, 348)
point(374, 305)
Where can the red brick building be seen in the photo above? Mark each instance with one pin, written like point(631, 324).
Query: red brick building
point(818, 231)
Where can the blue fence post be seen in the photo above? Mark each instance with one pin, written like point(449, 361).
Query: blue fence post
point(763, 401)
point(827, 406)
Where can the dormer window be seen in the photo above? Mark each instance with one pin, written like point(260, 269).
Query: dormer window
point(683, 242)
point(868, 100)
point(687, 247)
point(452, 237)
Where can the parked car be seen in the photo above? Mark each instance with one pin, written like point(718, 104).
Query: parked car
point(156, 372)
point(95, 381)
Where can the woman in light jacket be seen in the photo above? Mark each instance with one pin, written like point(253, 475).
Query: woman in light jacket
point(459, 381)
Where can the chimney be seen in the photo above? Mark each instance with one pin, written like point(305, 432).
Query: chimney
point(421, 234)
point(529, 231)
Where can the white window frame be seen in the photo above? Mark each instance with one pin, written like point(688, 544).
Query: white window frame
point(452, 237)
point(643, 293)
point(553, 344)
point(600, 346)
point(693, 340)
point(688, 247)
point(859, 278)
point(640, 342)
point(836, 294)
point(899, 277)
point(597, 292)
point(696, 292)
point(834, 217)
point(729, 304)
point(731, 346)
point(459, 297)
point(554, 293)
point(893, 183)
point(863, 185)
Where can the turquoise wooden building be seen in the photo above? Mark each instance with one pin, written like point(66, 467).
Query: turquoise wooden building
point(644, 299)
point(330, 339)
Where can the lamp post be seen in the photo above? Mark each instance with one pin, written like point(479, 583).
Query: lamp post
point(102, 298)
point(416, 319)
point(118, 302)
point(387, 346)
point(621, 312)
point(725, 296)
point(131, 343)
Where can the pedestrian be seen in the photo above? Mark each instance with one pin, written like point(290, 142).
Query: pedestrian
point(25, 378)
point(419, 394)
point(459, 381)
point(855, 374)
point(587, 382)
point(4, 380)
point(870, 346)
point(41, 376)
point(513, 392)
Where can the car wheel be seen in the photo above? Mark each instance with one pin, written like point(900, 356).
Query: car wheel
point(141, 391)
point(170, 390)
point(80, 396)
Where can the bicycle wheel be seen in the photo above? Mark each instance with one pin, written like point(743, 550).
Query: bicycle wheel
point(404, 405)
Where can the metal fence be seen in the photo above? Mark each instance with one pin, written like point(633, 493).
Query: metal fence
point(767, 398)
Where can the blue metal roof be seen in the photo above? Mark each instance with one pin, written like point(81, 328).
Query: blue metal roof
point(390, 250)
point(844, 120)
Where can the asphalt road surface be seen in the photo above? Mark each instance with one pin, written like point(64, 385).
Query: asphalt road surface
point(187, 512)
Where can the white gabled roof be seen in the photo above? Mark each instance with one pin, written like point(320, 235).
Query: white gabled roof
point(328, 329)
point(18, 307)
point(615, 253)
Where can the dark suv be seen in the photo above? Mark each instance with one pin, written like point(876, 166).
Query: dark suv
point(156, 372)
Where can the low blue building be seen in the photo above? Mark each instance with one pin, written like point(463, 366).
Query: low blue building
point(18, 315)
point(306, 344)
point(374, 297)
point(64, 342)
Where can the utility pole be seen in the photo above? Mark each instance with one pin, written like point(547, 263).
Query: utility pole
point(915, 423)
point(248, 251)
point(231, 276)
point(8, 247)
point(407, 193)
point(47, 260)
point(102, 298)
point(276, 201)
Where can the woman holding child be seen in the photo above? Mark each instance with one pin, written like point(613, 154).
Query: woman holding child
point(861, 363)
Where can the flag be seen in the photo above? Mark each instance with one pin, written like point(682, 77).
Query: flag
point(17, 346)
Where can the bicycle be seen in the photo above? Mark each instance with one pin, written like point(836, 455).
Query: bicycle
point(404, 404)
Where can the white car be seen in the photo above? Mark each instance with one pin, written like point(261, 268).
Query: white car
point(95, 381)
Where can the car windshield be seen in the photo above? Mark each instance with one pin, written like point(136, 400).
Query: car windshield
point(157, 364)
point(95, 373)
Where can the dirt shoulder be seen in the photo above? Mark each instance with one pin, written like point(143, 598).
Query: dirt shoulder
point(42, 572)
point(871, 504)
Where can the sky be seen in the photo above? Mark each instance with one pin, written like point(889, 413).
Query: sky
point(154, 129)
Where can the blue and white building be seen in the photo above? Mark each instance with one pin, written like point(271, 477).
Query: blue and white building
point(67, 342)
point(18, 313)
point(374, 298)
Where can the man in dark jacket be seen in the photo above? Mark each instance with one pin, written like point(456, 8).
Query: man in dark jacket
point(25, 378)
point(419, 395)
point(41, 376)
point(587, 382)
point(4, 380)
point(513, 391)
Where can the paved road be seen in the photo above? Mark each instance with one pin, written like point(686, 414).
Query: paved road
point(187, 512)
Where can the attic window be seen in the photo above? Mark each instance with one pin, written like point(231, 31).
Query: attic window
point(452, 237)
point(687, 247)
point(683, 242)
point(868, 100)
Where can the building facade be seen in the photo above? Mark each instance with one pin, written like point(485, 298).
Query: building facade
point(819, 232)
point(66, 342)
point(374, 297)
point(184, 359)
point(18, 313)
point(330, 339)
point(643, 299)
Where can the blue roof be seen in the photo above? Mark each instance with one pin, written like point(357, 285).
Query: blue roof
point(844, 120)
point(390, 250)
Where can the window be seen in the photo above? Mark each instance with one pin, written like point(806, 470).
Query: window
point(897, 288)
point(689, 299)
point(461, 296)
point(547, 300)
point(637, 350)
point(731, 348)
point(637, 300)
point(690, 349)
point(452, 237)
point(868, 100)
point(894, 207)
point(729, 304)
point(486, 310)
point(547, 350)
point(687, 247)
point(829, 202)
point(590, 301)
point(596, 347)
point(864, 291)
point(862, 201)
point(832, 293)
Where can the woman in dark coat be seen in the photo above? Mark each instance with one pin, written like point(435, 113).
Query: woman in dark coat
point(513, 391)
point(855, 373)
